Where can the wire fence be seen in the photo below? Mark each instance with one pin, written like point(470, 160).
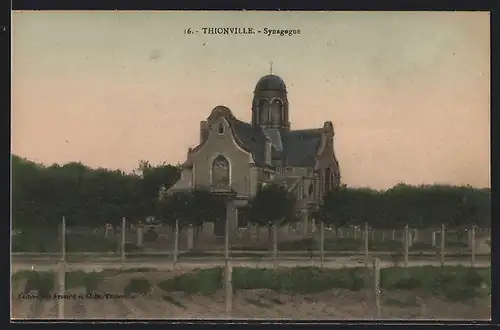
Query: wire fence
point(133, 241)
point(444, 243)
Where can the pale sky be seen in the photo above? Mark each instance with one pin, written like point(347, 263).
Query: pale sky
point(408, 93)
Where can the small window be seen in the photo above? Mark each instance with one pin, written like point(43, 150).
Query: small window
point(311, 189)
point(220, 129)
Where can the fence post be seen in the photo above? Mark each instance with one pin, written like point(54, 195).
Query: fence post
point(376, 285)
point(63, 240)
point(442, 244)
point(322, 243)
point(373, 234)
point(140, 234)
point(62, 271)
point(406, 244)
point(473, 246)
point(275, 246)
point(355, 233)
point(228, 287)
point(366, 244)
point(433, 238)
point(190, 237)
point(123, 241)
point(382, 238)
point(176, 242)
point(394, 234)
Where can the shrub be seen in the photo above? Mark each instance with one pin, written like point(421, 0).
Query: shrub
point(472, 278)
point(89, 281)
point(205, 281)
point(452, 282)
point(138, 286)
point(294, 280)
point(407, 283)
point(459, 293)
point(42, 282)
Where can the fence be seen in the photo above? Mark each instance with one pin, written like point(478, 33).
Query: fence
point(407, 237)
point(140, 241)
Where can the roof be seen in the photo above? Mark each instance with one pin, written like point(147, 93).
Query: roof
point(296, 148)
point(251, 139)
point(301, 146)
point(270, 83)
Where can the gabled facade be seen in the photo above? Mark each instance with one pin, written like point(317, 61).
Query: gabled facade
point(240, 156)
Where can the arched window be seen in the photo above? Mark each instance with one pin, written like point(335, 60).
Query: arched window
point(220, 173)
point(220, 129)
point(263, 112)
point(276, 112)
point(311, 189)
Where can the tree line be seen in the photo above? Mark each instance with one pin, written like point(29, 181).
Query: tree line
point(422, 206)
point(89, 197)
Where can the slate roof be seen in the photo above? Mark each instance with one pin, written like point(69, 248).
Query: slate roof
point(298, 148)
point(250, 138)
point(301, 147)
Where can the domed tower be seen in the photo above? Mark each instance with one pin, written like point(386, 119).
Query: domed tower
point(270, 104)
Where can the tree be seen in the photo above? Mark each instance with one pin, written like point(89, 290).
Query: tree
point(188, 209)
point(272, 206)
point(339, 207)
point(152, 179)
point(41, 195)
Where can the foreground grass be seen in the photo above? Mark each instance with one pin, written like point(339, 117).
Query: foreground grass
point(455, 283)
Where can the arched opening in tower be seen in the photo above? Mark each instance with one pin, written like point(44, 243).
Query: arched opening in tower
point(263, 112)
point(276, 109)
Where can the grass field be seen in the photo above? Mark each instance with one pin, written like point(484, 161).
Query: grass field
point(451, 282)
point(295, 293)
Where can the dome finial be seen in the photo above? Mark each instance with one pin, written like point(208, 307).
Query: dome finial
point(270, 67)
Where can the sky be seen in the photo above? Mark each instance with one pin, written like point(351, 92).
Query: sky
point(408, 92)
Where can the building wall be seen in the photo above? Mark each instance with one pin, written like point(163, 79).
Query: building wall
point(223, 144)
